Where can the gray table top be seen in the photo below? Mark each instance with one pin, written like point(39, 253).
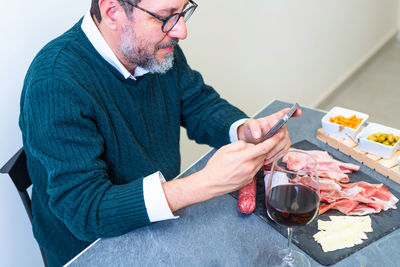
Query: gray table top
point(213, 233)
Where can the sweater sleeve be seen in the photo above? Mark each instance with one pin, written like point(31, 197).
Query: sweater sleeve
point(60, 131)
point(205, 115)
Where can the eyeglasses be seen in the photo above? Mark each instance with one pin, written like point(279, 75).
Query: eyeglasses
point(170, 21)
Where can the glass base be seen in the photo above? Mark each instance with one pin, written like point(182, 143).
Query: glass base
point(281, 258)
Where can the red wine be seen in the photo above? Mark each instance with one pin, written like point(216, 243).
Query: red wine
point(292, 204)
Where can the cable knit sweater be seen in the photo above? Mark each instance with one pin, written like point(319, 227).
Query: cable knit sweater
point(91, 136)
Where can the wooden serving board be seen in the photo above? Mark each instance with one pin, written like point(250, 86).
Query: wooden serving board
point(386, 167)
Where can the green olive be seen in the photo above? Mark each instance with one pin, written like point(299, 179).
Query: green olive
point(372, 138)
point(381, 139)
point(396, 138)
point(390, 138)
point(386, 143)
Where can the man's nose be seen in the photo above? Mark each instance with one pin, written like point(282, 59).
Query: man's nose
point(179, 30)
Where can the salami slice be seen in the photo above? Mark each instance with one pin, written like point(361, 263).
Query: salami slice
point(247, 197)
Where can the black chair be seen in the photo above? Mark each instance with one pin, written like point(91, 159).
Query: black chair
point(16, 168)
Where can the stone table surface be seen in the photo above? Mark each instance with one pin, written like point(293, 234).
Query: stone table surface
point(214, 233)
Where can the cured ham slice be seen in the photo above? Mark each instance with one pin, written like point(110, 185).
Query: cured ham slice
point(337, 176)
point(344, 206)
point(328, 185)
point(327, 166)
point(362, 184)
point(324, 183)
point(377, 194)
point(370, 198)
point(363, 209)
point(377, 191)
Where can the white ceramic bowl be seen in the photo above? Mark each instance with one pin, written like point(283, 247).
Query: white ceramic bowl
point(376, 148)
point(340, 130)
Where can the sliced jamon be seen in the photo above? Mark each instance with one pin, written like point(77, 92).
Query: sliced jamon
point(333, 196)
point(328, 185)
point(324, 184)
point(326, 165)
point(297, 161)
point(362, 184)
point(390, 204)
point(344, 206)
point(330, 196)
point(363, 209)
point(371, 198)
point(335, 165)
point(374, 193)
point(337, 176)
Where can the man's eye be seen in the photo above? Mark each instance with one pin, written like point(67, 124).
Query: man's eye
point(156, 20)
point(164, 15)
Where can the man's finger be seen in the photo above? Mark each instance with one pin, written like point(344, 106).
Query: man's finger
point(282, 113)
point(235, 146)
point(254, 128)
point(283, 144)
point(264, 147)
point(297, 113)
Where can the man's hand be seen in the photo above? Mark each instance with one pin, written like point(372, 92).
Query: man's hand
point(230, 168)
point(234, 166)
point(254, 129)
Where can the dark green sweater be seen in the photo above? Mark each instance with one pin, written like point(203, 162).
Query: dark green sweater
point(90, 137)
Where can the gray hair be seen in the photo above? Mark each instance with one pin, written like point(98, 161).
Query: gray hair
point(95, 10)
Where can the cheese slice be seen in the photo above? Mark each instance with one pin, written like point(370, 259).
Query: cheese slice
point(342, 232)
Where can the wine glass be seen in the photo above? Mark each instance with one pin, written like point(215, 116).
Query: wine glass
point(292, 199)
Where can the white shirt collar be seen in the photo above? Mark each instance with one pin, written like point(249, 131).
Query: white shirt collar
point(97, 40)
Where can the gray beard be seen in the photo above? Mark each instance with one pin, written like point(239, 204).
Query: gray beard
point(134, 51)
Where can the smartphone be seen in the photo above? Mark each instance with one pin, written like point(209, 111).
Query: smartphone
point(280, 123)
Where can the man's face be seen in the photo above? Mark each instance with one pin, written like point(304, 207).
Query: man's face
point(142, 41)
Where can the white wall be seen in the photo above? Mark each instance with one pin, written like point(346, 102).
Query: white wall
point(398, 19)
point(251, 52)
point(25, 27)
point(291, 50)
point(288, 50)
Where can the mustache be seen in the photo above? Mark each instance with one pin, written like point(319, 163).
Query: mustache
point(173, 42)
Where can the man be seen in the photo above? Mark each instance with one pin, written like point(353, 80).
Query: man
point(101, 111)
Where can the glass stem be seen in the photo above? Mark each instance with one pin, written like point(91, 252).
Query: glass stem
point(288, 258)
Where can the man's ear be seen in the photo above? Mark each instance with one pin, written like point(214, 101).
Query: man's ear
point(111, 12)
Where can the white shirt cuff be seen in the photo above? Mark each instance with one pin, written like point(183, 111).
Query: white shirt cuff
point(154, 198)
point(233, 130)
